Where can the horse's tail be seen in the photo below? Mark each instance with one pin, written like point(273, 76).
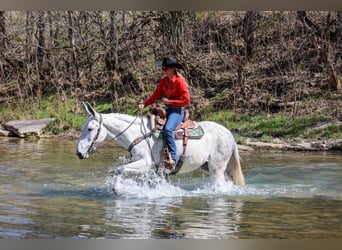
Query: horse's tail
point(234, 168)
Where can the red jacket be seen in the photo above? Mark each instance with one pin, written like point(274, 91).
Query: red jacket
point(175, 89)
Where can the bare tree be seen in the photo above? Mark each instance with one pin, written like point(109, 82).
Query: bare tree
point(249, 22)
point(2, 43)
point(41, 44)
point(112, 56)
point(74, 53)
point(171, 24)
point(40, 52)
point(323, 37)
point(28, 34)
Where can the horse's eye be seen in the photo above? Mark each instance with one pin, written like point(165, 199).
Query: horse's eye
point(90, 129)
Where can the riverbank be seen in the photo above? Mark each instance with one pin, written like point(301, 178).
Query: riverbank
point(244, 143)
point(280, 131)
point(252, 144)
point(296, 144)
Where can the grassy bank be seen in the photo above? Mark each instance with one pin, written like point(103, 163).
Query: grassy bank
point(67, 117)
point(265, 127)
point(70, 117)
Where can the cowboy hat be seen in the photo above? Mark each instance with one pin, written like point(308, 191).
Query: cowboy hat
point(169, 61)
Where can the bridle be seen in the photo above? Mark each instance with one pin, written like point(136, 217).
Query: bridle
point(92, 148)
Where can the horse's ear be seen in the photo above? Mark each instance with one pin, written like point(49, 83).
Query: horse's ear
point(91, 111)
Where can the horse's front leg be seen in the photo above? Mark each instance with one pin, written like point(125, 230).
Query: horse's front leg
point(135, 167)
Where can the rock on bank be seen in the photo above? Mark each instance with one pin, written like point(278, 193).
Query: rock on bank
point(24, 128)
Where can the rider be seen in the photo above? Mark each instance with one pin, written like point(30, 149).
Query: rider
point(173, 91)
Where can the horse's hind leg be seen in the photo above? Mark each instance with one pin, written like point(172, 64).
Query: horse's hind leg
point(220, 177)
point(217, 170)
point(227, 166)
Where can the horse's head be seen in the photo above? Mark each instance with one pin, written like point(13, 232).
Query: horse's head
point(93, 133)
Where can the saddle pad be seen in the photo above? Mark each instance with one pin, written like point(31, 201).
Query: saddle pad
point(195, 133)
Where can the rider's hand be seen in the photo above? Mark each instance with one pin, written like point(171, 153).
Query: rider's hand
point(166, 101)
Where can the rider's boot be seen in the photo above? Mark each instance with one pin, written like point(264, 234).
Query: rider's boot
point(169, 163)
point(170, 167)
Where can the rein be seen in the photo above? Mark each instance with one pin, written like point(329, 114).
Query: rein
point(141, 138)
point(123, 131)
point(92, 149)
point(131, 146)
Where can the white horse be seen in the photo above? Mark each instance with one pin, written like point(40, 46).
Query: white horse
point(216, 152)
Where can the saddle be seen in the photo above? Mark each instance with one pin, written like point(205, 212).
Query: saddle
point(186, 129)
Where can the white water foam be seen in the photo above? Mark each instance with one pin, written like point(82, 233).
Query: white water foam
point(153, 186)
point(144, 186)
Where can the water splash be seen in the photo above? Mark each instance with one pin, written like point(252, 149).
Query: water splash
point(153, 186)
point(149, 186)
point(262, 181)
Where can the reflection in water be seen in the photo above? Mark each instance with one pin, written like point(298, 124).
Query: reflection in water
point(130, 217)
point(218, 218)
point(47, 192)
point(173, 218)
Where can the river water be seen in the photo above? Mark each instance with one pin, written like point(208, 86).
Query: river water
point(47, 192)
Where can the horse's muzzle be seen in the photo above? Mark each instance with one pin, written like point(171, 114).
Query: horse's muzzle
point(80, 155)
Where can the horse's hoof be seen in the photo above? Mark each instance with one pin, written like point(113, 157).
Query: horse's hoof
point(160, 171)
point(118, 171)
point(114, 191)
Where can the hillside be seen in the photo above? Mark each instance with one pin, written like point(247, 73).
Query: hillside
point(266, 64)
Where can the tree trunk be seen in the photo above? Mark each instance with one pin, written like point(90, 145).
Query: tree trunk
point(112, 60)
point(87, 44)
point(308, 23)
point(324, 50)
point(51, 45)
point(333, 82)
point(40, 52)
point(339, 26)
point(74, 54)
point(41, 44)
point(172, 28)
point(28, 34)
point(2, 34)
point(112, 57)
point(177, 30)
point(248, 32)
point(2, 44)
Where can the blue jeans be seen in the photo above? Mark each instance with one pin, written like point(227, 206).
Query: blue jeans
point(174, 118)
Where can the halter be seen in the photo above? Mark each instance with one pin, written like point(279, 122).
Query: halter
point(91, 148)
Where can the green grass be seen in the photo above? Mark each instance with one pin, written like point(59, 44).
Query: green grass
point(63, 112)
point(261, 127)
point(332, 131)
point(265, 127)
